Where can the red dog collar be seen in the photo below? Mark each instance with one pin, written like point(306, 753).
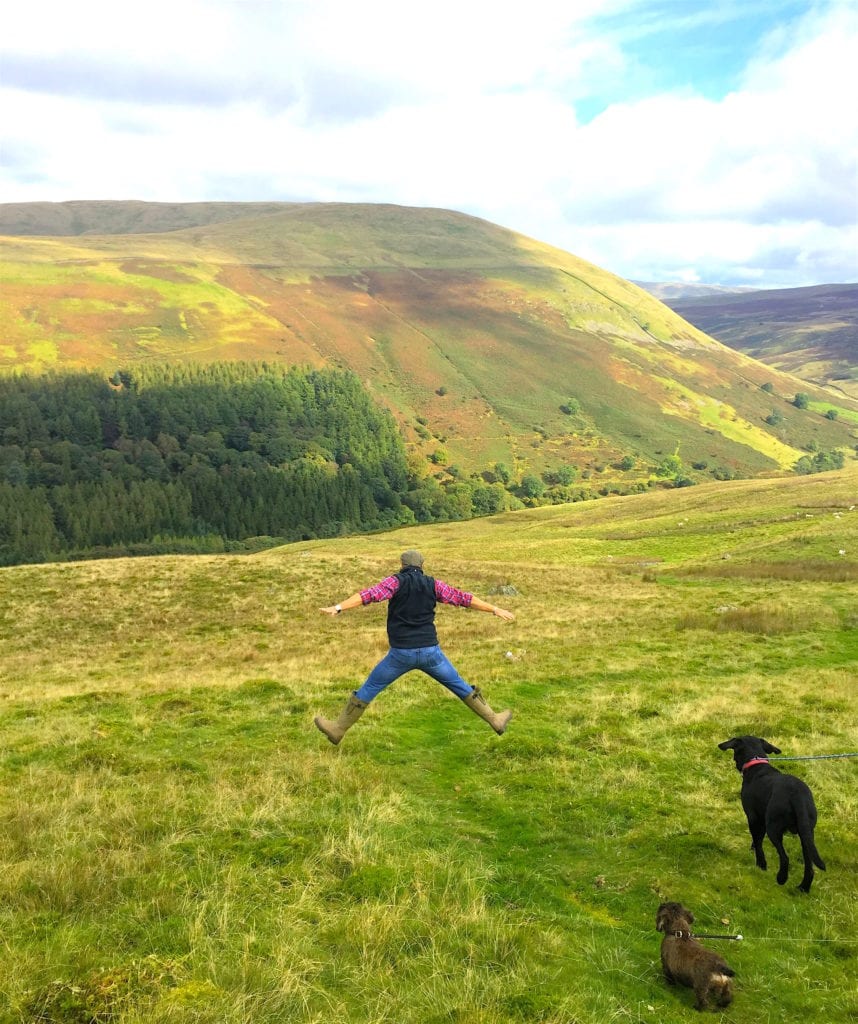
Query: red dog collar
point(755, 760)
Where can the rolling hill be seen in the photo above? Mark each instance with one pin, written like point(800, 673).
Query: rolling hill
point(488, 347)
point(809, 332)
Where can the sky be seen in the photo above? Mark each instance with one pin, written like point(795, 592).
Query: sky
point(664, 140)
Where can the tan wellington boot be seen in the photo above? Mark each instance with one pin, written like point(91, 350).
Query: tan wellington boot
point(477, 703)
point(348, 716)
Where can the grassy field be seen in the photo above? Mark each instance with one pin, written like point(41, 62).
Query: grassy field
point(179, 844)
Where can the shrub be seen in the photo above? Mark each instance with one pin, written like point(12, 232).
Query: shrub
point(566, 474)
point(801, 400)
point(821, 462)
point(531, 486)
point(669, 466)
point(487, 499)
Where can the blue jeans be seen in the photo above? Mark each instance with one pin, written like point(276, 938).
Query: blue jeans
point(399, 660)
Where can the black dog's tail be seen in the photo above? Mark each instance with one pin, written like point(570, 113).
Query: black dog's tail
point(805, 835)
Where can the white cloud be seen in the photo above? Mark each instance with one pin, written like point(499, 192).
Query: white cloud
point(471, 106)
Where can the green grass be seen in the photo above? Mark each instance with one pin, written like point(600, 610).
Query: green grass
point(823, 407)
point(179, 844)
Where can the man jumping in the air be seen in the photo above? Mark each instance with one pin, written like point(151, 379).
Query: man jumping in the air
point(411, 598)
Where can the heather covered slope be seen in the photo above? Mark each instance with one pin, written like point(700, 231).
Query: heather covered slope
point(487, 346)
point(811, 332)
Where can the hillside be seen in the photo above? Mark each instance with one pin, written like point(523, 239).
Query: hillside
point(119, 217)
point(487, 346)
point(180, 844)
point(809, 332)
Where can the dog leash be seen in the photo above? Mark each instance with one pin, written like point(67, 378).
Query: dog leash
point(760, 938)
point(813, 757)
point(773, 938)
point(698, 935)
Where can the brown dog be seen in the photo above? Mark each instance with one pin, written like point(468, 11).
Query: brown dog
point(685, 961)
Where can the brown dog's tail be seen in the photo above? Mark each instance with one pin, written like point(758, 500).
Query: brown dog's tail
point(722, 982)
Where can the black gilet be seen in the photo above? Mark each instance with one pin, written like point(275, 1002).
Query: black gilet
point(411, 610)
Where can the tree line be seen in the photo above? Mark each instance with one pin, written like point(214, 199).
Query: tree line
point(237, 456)
point(192, 458)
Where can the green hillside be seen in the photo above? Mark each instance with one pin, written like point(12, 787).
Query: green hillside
point(118, 217)
point(180, 845)
point(487, 346)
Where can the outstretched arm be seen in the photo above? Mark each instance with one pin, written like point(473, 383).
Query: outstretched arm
point(383, 591)
point(355, 601)
point(483, 606)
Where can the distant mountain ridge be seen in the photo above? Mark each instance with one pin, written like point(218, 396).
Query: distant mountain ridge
point(488, 347)
point(669, 291)
point(810, 332)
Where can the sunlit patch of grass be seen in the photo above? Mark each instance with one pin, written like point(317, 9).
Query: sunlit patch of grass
point(720, 416)
point(823, 407)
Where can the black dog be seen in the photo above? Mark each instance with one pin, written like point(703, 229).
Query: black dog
point(774, 803)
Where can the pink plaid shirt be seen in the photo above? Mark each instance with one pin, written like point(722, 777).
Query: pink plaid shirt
point(444, 593)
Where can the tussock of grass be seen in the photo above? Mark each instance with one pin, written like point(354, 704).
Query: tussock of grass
point(830, 571)
point(768, 620)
